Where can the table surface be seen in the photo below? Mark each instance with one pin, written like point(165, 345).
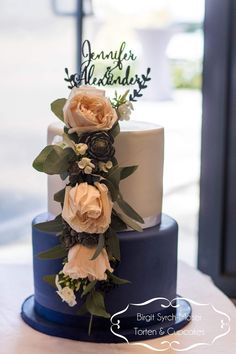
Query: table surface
point(17, 338)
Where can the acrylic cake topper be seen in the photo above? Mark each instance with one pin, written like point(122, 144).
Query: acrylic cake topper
point(86, 76)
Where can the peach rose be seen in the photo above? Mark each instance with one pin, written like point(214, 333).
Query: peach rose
point(80, 265)
point(87, 110)
point(87, 208)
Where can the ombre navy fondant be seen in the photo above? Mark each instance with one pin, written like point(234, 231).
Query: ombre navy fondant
point(148, 261)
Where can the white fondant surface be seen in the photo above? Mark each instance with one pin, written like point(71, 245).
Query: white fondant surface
point(141, 144)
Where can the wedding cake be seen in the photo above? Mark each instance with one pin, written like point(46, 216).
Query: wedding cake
point(104, 255)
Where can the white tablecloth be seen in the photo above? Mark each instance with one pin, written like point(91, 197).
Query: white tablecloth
point(17, 338)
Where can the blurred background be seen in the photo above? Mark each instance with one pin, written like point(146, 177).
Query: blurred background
point(39, 39)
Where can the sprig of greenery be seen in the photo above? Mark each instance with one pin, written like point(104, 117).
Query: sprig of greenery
point(118, 100)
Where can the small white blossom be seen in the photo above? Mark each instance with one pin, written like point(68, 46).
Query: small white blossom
point(86, 165)
point(105, 166)
point(88, 170)
point(124, 110)
point(66, 293)
point(81, 149)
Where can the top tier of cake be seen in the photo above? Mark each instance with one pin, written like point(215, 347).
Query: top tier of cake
point(140, 144)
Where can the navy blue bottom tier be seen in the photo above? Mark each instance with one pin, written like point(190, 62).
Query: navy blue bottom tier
point(101, 334)
point(148, 261)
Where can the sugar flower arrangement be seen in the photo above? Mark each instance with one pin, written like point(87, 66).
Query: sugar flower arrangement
point(93, 208)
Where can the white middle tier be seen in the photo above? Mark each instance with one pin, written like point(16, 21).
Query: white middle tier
point(139, 144)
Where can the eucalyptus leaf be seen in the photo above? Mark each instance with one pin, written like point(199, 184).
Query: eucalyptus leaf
point(128, 210)
point(64, 175)
point(115, 130)
point(89, 287)
point(52, 226)
point(73, 136)
point(58, 160)
point(41, 158)
point(117, 280)
point(50, 279)
point(60, 196)
point(127, 171)
point(112, 189)
point(128, 221)
point(114, 176)
point(95, 304)
point(113, 243)
point(54, 160)
point(100, 246)
point(53, 253)
point(57, 108)
point(82, 310)
point(117, 224)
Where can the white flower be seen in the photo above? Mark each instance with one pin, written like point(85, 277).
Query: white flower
point(105, 166)
point(124, 110)
point(66, 293)
point(86, 165)
point(81, 149)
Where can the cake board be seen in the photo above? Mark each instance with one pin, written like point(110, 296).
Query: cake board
point(99, 335)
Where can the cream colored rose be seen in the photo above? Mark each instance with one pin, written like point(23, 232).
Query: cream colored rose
point(87, 109)
point(87, 208)
point(80, 265)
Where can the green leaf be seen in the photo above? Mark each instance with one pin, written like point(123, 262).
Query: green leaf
point(128, 210)
point(53, 226)
point(117, 173)
point(59, 160)
point(50, 279)
point(57, 108)
point(127, 171)
point(53, 253)
point(117, 280)
point(74, 136)
point(100, 246)
point(95, 304)
point(41, 158)
point(82, 310)
point(89, 287)
point(113, 243)
point(54, 160)
point(117, 224)
point(124, 96)
point(64, 175)
point(60, 196)
point(112, 189)
point(115, 130)
point(128, 221)
point(114, 176)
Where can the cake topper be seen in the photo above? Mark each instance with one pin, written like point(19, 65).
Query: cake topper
point(86, 76)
